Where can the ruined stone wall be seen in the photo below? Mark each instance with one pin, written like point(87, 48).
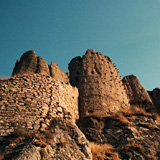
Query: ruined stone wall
point(100, 87)
point(33, 100)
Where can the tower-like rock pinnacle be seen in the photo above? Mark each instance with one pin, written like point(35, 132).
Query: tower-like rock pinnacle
point(101, 91)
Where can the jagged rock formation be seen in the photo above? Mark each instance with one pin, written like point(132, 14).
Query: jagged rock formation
point(62, 140)
point(32, 101)
point(155, 96)
point(101, 91)
point(136, 93)
point(134, 134)
point(57, 73)
point(30, 63)
point(38, 112)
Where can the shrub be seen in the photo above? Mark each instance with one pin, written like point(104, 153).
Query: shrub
point(101, 151)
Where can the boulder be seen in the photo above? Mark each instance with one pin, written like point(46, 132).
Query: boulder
point(101, 91)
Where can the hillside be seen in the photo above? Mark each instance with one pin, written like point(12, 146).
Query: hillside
point(88, 113)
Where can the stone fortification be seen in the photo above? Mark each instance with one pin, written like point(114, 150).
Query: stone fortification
point(100, 87)
point(136, 93)
point(30, 63)
point(31, 102)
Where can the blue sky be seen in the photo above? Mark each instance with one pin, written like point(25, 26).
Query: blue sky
point(128, 31)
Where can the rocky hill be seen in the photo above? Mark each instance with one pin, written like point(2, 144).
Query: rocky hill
point(88, 113)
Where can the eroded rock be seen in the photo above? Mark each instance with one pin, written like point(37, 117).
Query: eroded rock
point(62, 140)
point(58, 74)
point(155, 96)
point(100, 88)
point(136, 93)
point(30, 63)
point(26, 65)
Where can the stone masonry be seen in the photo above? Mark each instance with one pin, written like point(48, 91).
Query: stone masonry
point(32, 101)
point(100, 87)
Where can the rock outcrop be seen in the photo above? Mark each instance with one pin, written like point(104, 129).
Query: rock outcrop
point(39, 112)
point(101, 91)
point(58, 74)
point(134, 135)
point(136, 93)
point(30, 63)
point(62, 140)
point(155, 96)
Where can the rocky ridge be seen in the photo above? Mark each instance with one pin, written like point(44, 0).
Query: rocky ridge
point(41, 107)
point(137, 94)
point(30, 63)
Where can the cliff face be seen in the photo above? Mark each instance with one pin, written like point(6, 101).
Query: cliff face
point(40, 108)
point(101, 91)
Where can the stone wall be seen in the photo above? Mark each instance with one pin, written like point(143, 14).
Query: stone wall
point(33, 100)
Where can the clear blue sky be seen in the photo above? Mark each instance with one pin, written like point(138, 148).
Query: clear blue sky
point(128, 31)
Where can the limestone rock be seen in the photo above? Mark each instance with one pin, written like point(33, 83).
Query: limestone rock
point(136, 93)
point(130, 133)
point(26, 65)
point(100, 88)
point(58, 74)
point(29, 64)
point(155, 96)
point(42, 66)
point(63, 140)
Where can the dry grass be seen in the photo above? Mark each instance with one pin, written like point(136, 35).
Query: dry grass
point(158, 118)
point(101, 151)
point(134, 110)
point(132, 147)
point(20, 134)
point(120, 117)
point(149, 125)
point(138, 148)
